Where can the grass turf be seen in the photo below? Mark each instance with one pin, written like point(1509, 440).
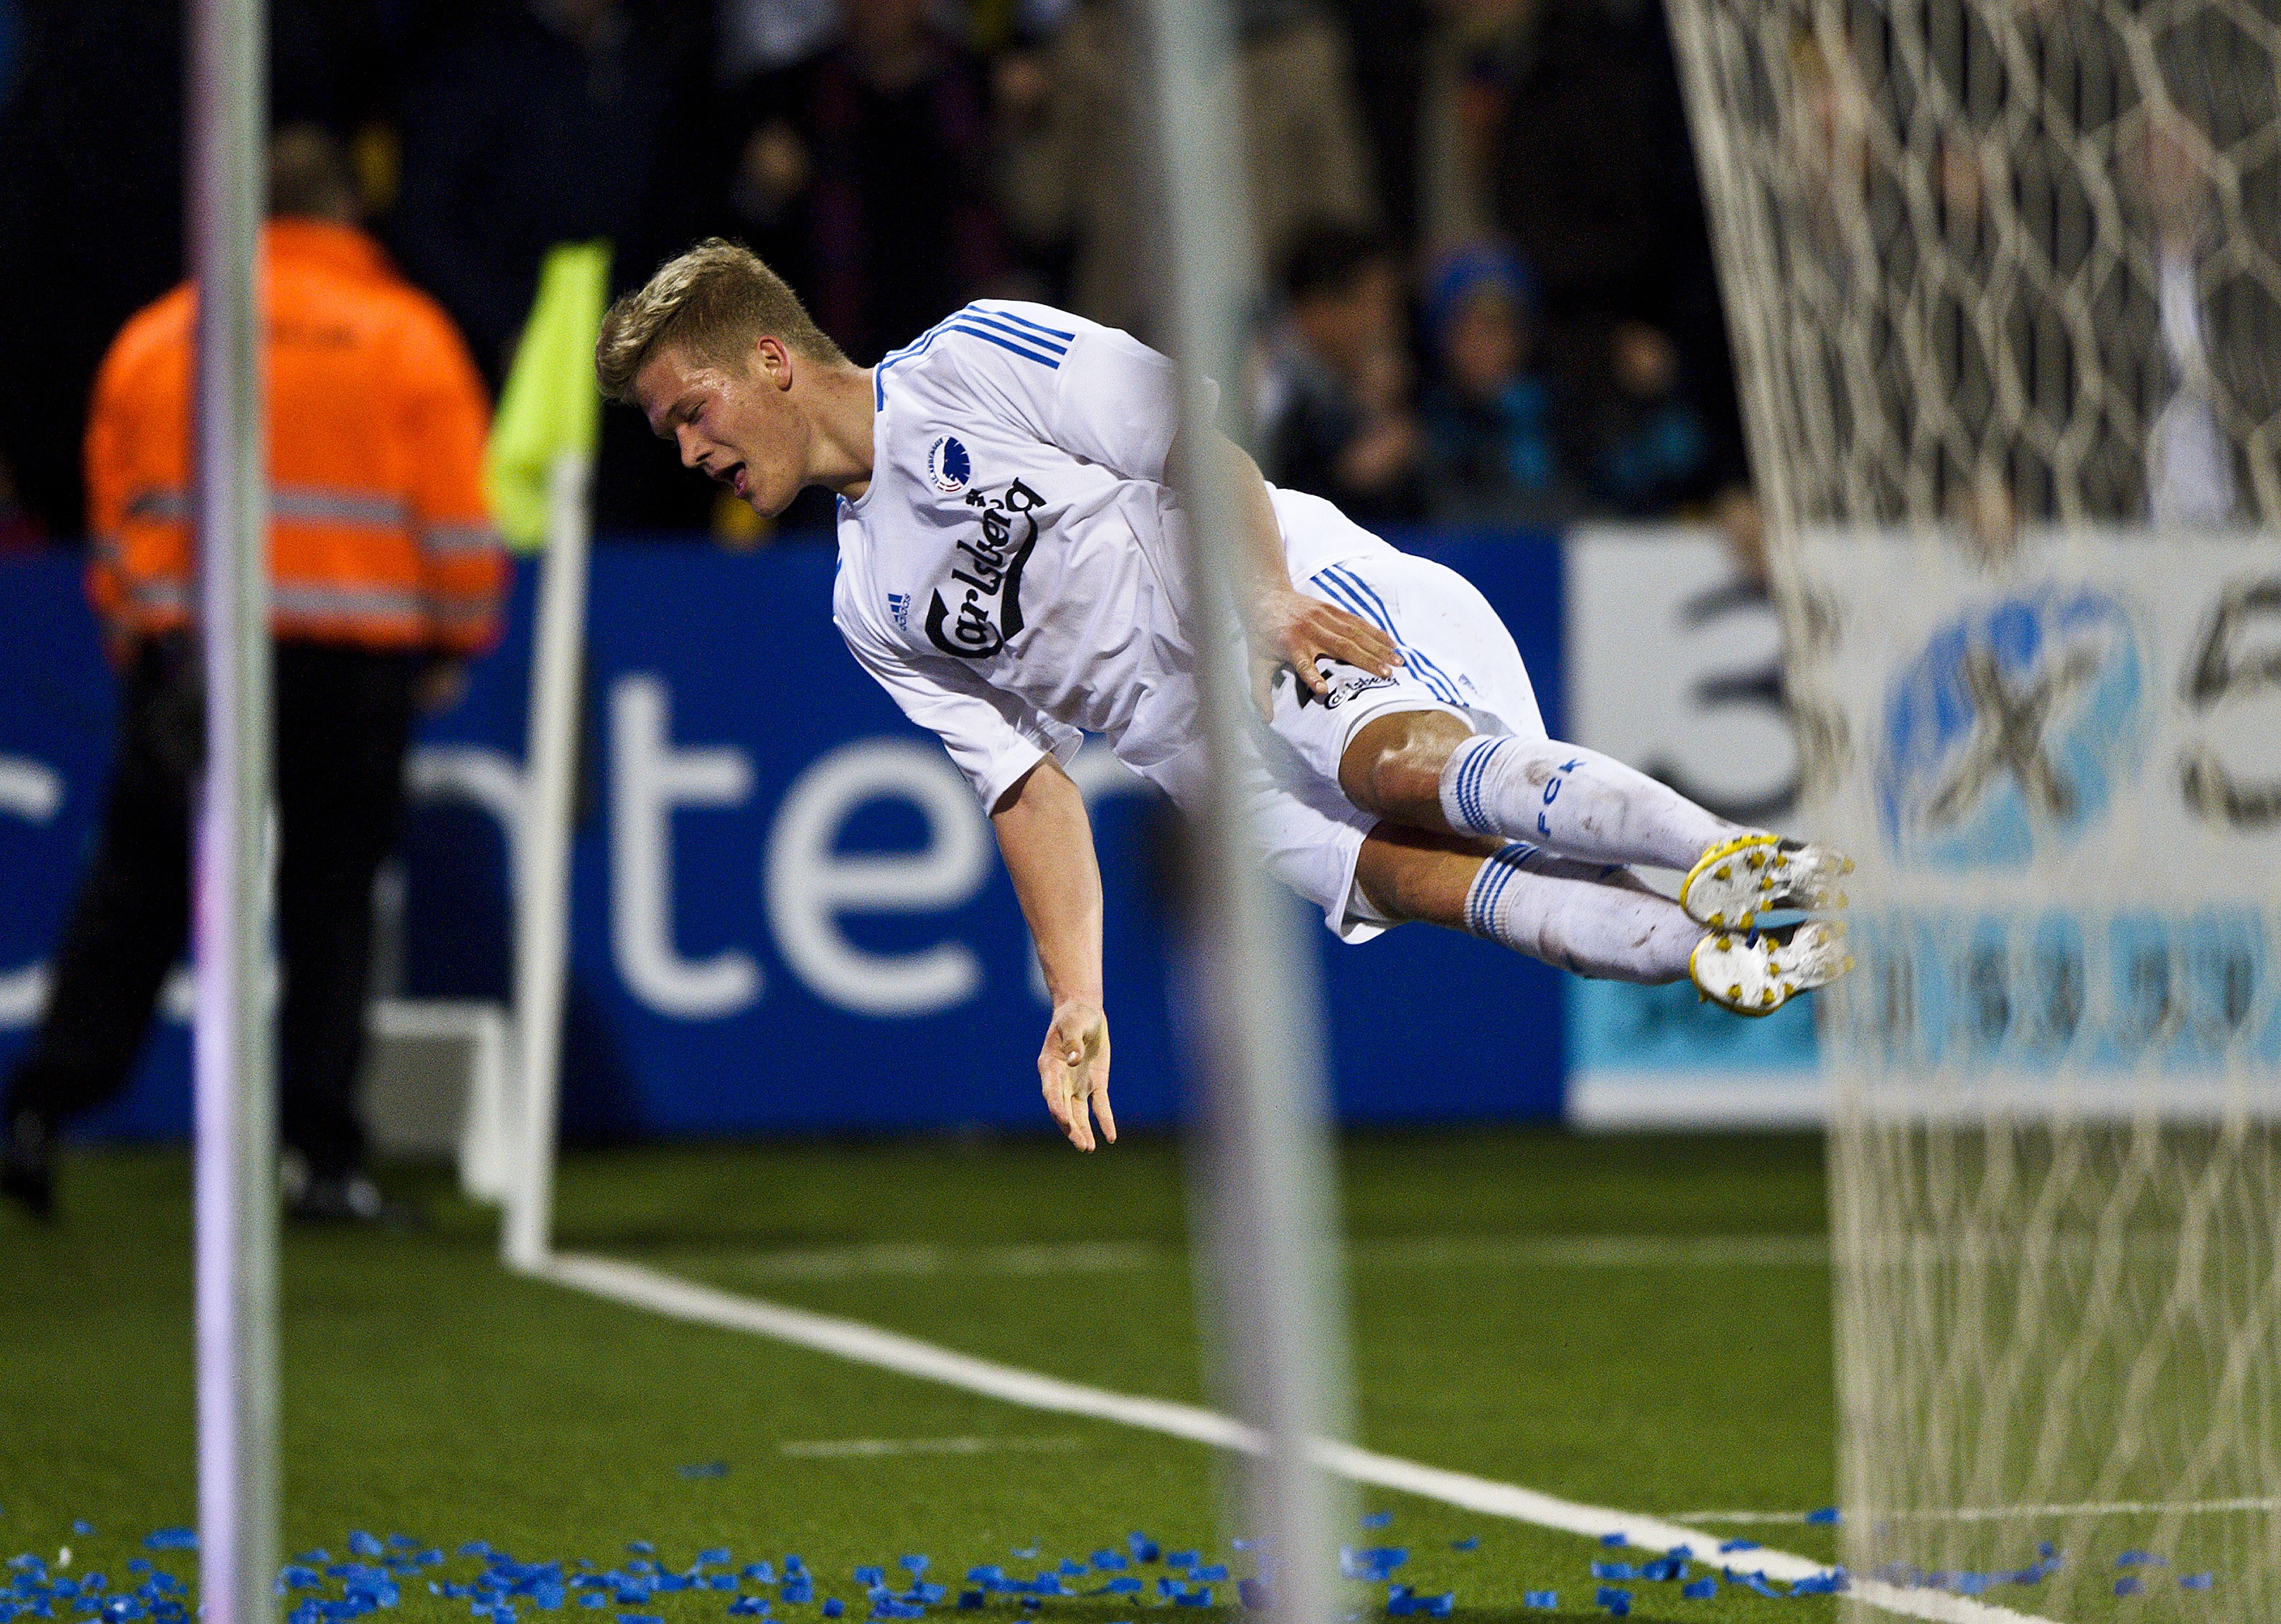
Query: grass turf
point(428, 1392)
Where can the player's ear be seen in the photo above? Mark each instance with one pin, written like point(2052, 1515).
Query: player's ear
point(770, 362)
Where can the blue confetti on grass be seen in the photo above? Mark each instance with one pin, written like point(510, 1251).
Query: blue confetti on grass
point(2128, 1585)
point(171, 1539)
point(1700, 1589)
point(1377, 1520)
point(1615, 1539)
point(81, 1527)
point(1826, 1514)
point(1544, 1601)
point(1472, 1542)
point(1108, 1561)
point(1733, 1545)
point(1617, 1602)
point(1144, 1548)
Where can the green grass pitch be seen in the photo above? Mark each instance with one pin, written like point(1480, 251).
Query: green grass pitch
point(1535, 1308)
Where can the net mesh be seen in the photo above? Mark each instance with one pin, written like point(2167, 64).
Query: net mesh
point(2005, 283)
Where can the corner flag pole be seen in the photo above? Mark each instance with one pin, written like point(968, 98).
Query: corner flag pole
point(1271, 1205)
point(537, 468)
point(542, 934)
point(236, 1135)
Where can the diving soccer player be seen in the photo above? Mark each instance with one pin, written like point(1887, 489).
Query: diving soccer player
point(1011, 571)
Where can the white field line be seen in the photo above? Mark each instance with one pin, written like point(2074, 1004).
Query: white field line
point(645, 1288)
point(1424, 1252)
point(1999, 1513)
point(869, 1448)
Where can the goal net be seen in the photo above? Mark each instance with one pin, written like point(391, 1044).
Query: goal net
point(2005, 283)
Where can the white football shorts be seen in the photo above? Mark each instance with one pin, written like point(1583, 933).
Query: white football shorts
point(1457, 658)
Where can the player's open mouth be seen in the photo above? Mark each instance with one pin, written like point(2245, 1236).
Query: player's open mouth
point(735, 479)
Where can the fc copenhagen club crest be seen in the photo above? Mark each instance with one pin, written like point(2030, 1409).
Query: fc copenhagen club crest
point(948, 467)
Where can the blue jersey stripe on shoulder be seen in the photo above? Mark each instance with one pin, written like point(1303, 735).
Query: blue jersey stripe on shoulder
point(970, 320)
point(975, 313)
point(1038, 327)
point(916, 347)
point(1004, 343)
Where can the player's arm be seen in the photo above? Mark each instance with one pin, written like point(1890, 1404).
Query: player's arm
point(1113, 400)
point(1047, 842)
point(1287, 627)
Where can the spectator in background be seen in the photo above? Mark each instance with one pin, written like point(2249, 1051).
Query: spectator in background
point(1387, 44)
point(527, 123)
point(1335, 417)
point(1493, 454)
point(1596, 185)
point(387, 578)
point(1473, 55)
point(90, 222)
point(1647, 451)
point(863, 171)
point(1075, 132)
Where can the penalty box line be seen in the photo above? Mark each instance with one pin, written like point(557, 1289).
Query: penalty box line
point(865, 1344)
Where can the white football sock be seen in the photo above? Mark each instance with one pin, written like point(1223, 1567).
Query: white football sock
point(1576, 801)
point(1596, 919)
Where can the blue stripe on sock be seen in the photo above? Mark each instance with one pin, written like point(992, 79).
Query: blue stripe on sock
point(1489, 889)
point(1470, 778)
point(1473, 747)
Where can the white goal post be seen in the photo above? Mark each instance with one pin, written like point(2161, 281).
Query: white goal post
point(2005, 283)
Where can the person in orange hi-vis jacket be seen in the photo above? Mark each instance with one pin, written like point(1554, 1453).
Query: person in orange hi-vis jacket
point(386, 578)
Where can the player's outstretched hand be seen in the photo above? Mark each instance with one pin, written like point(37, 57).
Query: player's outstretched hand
point(1074, 1067)
point(1289, 628)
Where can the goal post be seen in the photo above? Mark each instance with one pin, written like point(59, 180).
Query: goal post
point(1263, 1180)
point(233, 1041)
point(2004, 278)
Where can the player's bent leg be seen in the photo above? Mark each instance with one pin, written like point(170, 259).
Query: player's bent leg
point(1431, 770)
point(1590, 919)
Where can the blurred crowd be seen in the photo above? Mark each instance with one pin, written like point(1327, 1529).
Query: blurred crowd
point(1487, 289)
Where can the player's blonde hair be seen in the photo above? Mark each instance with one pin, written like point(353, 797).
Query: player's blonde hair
point(711, 304)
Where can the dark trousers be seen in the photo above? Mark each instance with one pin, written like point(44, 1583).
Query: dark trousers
point(344, 718)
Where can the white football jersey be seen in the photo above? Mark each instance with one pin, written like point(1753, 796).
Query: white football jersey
point(1013, 575)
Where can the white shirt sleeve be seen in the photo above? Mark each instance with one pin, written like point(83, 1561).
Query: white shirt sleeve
point(993, 737)
point(1095, 391)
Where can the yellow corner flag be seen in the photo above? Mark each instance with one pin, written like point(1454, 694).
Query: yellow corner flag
point(550, 404)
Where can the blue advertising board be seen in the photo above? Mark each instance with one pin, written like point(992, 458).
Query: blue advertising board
point(787, 912)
